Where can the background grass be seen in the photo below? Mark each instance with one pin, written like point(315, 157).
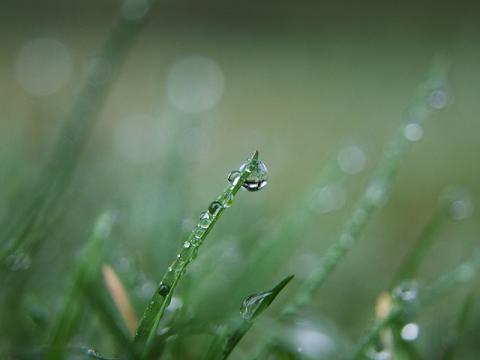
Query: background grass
point(301, 82)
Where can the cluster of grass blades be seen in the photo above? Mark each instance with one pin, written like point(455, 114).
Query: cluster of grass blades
point(398, 307)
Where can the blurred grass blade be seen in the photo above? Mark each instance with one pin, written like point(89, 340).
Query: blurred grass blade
point(104, 310)
point(161, 298)
point(88, 266)
point(425, 241)
point(120, 298)
point(252, 307)
point(77, 126)
point(376, 192)
point(464, 317)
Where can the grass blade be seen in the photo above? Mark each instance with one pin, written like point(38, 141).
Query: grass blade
point(464, 316)
point(224, 343)
point(161, 298)
point(68, 320)
point(374, 194)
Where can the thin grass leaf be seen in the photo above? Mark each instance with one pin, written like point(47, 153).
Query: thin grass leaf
point(462, 274)
point(68, 320)
point(162, 296)
point(376, 192)
point(105, 311)
point(226, 340)
point(465, 314)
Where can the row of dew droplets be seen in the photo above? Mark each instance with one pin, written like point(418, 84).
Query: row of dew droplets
point(256, 179)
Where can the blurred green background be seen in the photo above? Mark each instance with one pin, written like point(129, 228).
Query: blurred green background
point(205, 85)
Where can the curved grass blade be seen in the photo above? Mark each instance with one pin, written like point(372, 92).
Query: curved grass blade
point(162, 296)
point(88, 266)
point(226, 340)
point(375, 193)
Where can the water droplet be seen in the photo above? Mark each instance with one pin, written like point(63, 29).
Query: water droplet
point(43, 66)
point(377, 193)
point(359, 216)
point(465, 272)
point(228, 200)
point(330, 198)
point(461, 209)
point(258, 177)
point(234, 177)
point(178, 256)
point(379, 354)
point(18, 261)
point(205, 220)
point(195, 84)
point(459, 202)
point(352, 159)
point(413, 132)
point(186, 244)
point(199, 232)
point(410, 332)
point(346, 240)
point(407, 291)
point(214, 207)
point(252, 303)
point(438, 99)
point(170, 269)
point(312, 342)
point(163, 289)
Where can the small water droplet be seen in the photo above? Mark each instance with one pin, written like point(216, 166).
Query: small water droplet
point(18, 261)
point(258, 177)
point(214, 207)
point(228, 200)
point(205, 220)
point(438, 99)
point(413, 132)
point(234, 177)
point(199, 232)
point(461, 209)
point(373, 354)
point(251, 304)
point(346, 240)
point(410, 332)
point(186, 244)
point(352, 159)
point(170, 269)
point(330, 198)
point(377, 193)
point(178, 256)
point(407, 291)
point(163, 289)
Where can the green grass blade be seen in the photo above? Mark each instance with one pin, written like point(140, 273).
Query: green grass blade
point(463, 318)
point(161, 298)
point(226, 340)
point(89, 264)
point(375, 193)
point(100, 303)
point(425, 241)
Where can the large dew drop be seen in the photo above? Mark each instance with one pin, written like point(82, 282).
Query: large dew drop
point(257, 178)
point(252, 303)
